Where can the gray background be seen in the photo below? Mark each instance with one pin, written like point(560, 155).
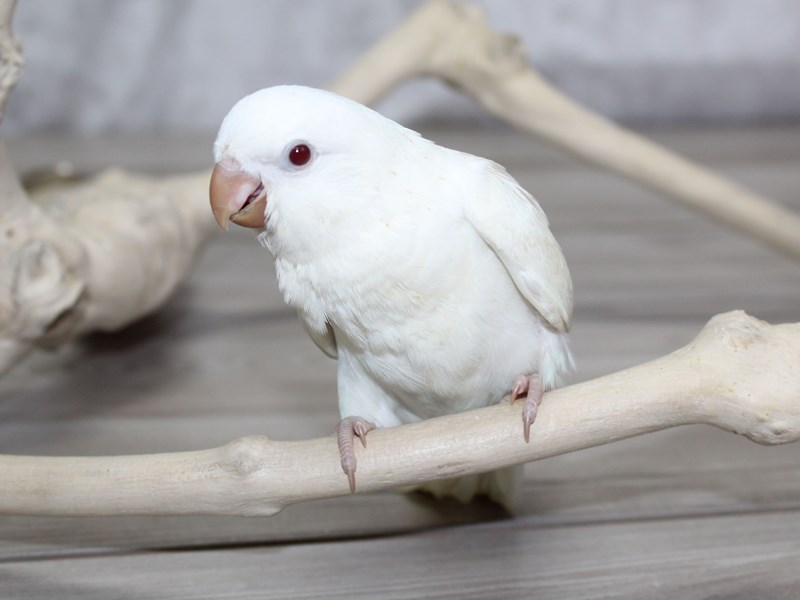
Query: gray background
point(177, 66)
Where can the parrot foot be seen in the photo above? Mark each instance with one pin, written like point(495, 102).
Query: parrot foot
point(350, 428)
point(533, 389)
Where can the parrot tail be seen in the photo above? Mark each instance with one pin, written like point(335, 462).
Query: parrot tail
point(500, 486)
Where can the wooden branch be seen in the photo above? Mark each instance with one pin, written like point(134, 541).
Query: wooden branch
point(739, 374)
point(10, 54)
point(34, 287)
point(454, 42)
point(104, 254)
point(94, 256)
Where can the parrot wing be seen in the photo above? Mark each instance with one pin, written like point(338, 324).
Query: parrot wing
point(515, 227)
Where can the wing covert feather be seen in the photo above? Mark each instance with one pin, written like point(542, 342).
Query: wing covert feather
point(515, 227)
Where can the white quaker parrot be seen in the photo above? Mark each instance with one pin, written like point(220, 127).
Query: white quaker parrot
point(430, 274)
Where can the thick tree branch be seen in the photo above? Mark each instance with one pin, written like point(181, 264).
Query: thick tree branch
point(99, 255)
point(454, 42)
point(107, 260)
point(739, 374)
point(95, 256)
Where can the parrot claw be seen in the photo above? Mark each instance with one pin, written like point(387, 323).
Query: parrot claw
point(520, 387)
point(528, 417)
point(361, 428)
point(532, 386)
point(349, 429)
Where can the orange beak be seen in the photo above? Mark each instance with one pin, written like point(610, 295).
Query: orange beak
point(237, 196)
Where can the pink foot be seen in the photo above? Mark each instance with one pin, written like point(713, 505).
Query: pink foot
point(533, 390)
point(350, 428)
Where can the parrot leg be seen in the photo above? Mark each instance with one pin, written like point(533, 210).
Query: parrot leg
point(533, 389)
point(349, 428)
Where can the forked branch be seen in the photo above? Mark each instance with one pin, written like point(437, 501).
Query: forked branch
point(455, 43)
point(95, 256)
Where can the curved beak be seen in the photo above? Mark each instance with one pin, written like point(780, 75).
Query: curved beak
point(237, 196)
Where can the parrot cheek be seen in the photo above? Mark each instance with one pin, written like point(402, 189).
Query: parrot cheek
point(236, 196)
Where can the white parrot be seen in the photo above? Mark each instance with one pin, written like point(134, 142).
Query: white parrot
point(429, 273)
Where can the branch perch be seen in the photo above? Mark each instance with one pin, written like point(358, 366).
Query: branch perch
point(454, 42)
point(739, 374)
point(95, 256)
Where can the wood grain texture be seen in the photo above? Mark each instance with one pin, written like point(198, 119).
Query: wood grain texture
point(691, 512)
point(742, 557)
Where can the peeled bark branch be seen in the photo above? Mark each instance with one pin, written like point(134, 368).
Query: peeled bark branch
point(454, 42)
point(106, 253)
point(97, 256)
point(94, 256)
point(10, 55)
point(739, 374)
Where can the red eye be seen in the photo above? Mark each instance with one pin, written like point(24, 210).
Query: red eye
point(300, 155)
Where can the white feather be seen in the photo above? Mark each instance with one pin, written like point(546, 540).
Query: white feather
point(431, 273)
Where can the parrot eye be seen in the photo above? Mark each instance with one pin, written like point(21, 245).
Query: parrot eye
point(300, 155)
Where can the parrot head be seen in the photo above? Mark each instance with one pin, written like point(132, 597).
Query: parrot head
point(288, 157)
